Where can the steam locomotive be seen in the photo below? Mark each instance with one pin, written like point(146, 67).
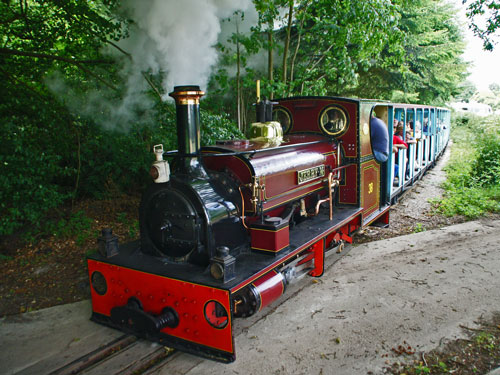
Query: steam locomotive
point(225, 228)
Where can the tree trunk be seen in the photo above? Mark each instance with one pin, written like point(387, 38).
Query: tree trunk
point(299, 35)
point(287, 41)
point(238, 78)
point(270, 61)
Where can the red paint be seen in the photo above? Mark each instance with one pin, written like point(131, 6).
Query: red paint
point(157, 292)
point(269, 240)
point(269, 287)
point(318, 250)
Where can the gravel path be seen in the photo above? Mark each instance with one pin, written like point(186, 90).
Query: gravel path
point(412, 213)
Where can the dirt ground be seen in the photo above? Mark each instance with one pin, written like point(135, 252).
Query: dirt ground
point(52, 270)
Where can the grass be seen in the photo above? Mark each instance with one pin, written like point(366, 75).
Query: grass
point(472, 188)
point(418, 228)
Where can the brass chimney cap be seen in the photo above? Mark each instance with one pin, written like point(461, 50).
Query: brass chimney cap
point(189, 94)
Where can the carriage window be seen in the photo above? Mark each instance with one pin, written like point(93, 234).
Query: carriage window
point(281, 115)
point(333, 121)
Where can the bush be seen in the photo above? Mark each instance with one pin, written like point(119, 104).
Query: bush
point(486, 166)
point(32, 164)
point(473, 173)
point(470, 202)
point(217, 126)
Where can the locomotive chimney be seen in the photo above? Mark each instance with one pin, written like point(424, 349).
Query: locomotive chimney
point(187, 100)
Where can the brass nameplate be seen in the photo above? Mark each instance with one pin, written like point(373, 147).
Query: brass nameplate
point(310, 174)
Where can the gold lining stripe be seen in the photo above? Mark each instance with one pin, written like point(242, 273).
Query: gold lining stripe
point(268, 250)
point(267, 230)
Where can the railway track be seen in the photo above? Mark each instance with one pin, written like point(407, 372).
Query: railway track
point(124, 355)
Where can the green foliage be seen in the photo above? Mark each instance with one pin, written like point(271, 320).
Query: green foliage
point(217, 126)
point(77, 226)
point(133, 229)
point(470, 202)
point(486, 341)
point(473, 183)
point(30, 163)
point(486, 166)
point(421, 369)
point(77, 222)
point(467, 90)
point(432, 67)
point(5, 257)
point(419, 228)
point(41, 141)
point(479, 8)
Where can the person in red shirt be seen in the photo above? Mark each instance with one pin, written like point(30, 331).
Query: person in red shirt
point(397, 139)
point(398, 143)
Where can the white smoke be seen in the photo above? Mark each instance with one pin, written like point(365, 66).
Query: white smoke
point(172, 41)
point(176, 39)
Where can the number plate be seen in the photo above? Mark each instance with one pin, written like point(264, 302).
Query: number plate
point(310, 174)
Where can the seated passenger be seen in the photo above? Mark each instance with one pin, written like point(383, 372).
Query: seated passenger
point(409, 131)
point(418, 130)
point(380, 139)
point(397, 144)
point(398, 137)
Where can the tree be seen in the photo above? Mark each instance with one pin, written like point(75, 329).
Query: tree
point(476, 9)
point(337, 38)
point(467, 91)
point(431, 69)
point(41, 143)
point(495, 88)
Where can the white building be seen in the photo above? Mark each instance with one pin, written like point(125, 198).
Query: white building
point(479, 109)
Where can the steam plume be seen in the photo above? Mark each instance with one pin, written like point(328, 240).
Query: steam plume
point(171, 39)
point(176, 38)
